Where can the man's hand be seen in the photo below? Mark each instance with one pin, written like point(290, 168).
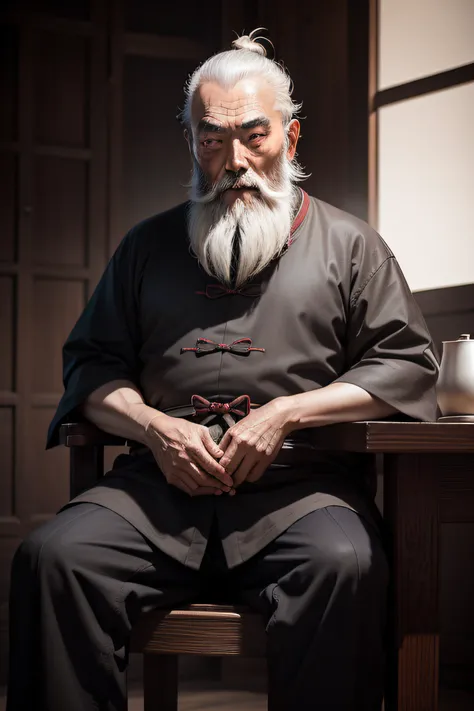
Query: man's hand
point(187, 455)
point(253, 443)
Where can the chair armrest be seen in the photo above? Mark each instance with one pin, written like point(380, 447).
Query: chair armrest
point(347, 437)
point(369, 437)
point(85, 434)
point(86, 444)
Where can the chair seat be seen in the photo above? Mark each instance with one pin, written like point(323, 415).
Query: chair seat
point(211, 630)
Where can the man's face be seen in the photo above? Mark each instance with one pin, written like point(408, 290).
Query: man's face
point(237, 129)
point(243, 179)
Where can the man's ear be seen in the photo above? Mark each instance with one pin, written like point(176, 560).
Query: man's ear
point(293, 132)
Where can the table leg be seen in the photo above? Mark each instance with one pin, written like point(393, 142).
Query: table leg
point(411, 513)
point(160, 682)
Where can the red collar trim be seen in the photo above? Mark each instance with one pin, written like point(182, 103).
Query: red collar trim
point(301, 214)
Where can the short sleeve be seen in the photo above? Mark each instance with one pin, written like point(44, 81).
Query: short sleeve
point(389, 349)
point(104, 344)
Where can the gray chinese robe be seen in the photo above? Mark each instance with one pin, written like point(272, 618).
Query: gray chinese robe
point(334, 307)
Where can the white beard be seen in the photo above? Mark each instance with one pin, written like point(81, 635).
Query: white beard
point(262, 224)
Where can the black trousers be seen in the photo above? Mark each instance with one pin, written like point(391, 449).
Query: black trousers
point(80, 582)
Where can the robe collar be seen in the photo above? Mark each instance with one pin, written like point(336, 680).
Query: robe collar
point(300, 215)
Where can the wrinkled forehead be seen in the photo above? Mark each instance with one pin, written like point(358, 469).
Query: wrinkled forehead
point(246, 100)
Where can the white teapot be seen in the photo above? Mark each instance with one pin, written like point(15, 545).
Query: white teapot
point(455, 387)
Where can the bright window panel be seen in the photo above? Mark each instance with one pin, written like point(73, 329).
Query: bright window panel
point(422, 37)
point(426, 186)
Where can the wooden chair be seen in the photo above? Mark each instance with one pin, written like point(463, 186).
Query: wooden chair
point(421, 464)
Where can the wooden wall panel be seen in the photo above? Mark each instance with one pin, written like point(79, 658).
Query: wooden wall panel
point(71, 9)
point(8, 82)
point(448, 327)
point(56, 306)
point(181, 19)
point(312, 42)
point(48, 470)
point(61, 217)
point(6, 456)
point(61, 89)
point(8, 204)
point(54, 86)
point(448, 312)
point(7, 331)
point(11, 98)
point(156, 161)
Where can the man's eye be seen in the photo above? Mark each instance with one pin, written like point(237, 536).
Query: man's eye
point(210, 143)
point(255, 136)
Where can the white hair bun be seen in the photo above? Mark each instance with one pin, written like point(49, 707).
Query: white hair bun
point(249, 43)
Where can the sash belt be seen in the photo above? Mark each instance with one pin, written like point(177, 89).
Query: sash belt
point(219, 416)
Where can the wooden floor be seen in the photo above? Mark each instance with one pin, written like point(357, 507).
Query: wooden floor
point(210, 699)
point(219, 699)
point(215, 698)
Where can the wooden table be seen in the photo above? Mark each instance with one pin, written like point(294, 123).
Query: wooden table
point(428, 471)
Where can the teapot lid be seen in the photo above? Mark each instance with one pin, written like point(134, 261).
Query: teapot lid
point(462, 337)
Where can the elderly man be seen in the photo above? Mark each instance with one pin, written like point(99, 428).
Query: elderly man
point(220, 334)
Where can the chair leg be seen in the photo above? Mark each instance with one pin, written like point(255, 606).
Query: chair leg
point(272, 700)
point(160, 682)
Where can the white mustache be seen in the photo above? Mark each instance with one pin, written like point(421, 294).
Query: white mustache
point(250, 179)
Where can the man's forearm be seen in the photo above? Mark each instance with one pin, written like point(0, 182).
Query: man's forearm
point(338, 402)
point(118, 408)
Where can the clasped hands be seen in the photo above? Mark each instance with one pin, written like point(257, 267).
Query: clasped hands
point(191, 460)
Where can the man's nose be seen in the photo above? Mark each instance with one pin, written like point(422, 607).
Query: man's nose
point(236, 160)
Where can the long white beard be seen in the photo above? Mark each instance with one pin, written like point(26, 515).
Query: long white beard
point(262, 224)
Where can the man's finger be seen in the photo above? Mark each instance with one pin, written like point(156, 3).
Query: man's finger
point(260, 467)
point(209, 464)
point(245, 467)
point(213, 448)
point(226, 440)
point(229, 455)
point(207, 491)
point(235, 453)
point(203, 479)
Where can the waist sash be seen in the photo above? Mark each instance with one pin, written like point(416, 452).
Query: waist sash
point(218, 416)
